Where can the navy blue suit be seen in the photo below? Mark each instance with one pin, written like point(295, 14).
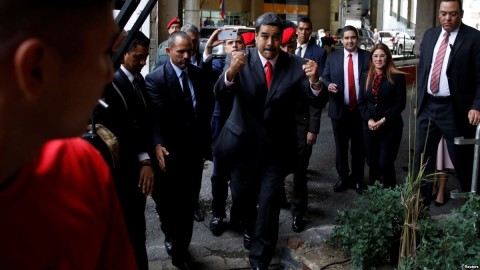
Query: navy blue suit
point(346, 123)
point(187, 137)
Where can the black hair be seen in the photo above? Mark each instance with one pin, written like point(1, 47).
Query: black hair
point(138, 39)
point(458, 1)
point(305, 20)
point(349, 28)
point(269, 18)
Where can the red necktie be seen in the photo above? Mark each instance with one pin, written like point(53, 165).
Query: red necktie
point(352, 94)
point(268, 73)
point(437, 66)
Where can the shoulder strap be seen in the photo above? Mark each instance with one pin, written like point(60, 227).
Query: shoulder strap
point(120, 94)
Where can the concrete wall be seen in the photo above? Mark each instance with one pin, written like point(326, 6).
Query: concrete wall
point(167, 10)
point(320, 14)
point(427, 11)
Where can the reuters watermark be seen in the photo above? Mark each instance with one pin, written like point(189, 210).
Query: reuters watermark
point(470, 266)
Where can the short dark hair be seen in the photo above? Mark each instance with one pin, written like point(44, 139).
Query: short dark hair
point(269, 18)
point(138, 39)
point(305, 20)
point(22, 19)
point(349, 28)
point(458, 1)
point(174, 35)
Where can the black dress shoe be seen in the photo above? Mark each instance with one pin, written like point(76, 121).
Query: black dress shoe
point(358, 188)
point(247, 241)
point(198, 215)
point(168, 246)
point(340, 186)
point(217, 226)
point(298, 224)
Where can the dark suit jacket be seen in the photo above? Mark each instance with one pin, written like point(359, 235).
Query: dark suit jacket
point(463, 72)
point(128, 120)
point(317, 54)
point(263, 121)
point(333, 73)
point(391, 101)
point(168, 118)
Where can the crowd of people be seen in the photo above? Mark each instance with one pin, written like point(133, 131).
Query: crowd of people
point(255, 114)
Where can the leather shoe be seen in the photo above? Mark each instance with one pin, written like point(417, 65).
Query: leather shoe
point(217, 226)
point(168, 246)
point(198, 215)
point(298, 224)
point(358, 188)
point(340, 186)
point(247, 241)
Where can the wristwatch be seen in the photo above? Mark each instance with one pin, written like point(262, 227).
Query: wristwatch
point(317, 83)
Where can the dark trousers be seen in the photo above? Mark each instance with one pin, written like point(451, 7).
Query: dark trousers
point(262, 186)
point(381, 152)
point(175, 198)
point(348, 131)
point(219, 179)
point(133, 203)
point(434, 121)
point(300, 191)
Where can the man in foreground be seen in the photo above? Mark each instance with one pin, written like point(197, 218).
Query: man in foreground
point(57, 200)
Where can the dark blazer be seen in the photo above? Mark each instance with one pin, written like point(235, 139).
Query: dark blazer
point(263, 119)
point(167, 101)
point(127, 119)
point(317, 54)
point(391, 100)
point(333, 73)
point(463, 72)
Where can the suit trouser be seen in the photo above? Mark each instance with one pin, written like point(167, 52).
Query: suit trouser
point(381, 151)
point(219, 179)
point(133, 203)
point(348, 130)
point(300, 190)
point(174, 195)
point(434, 121)
point(262, 186)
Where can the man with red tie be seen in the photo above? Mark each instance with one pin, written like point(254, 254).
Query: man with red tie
point(343, 83)
point(448, 92)
point(259, 137)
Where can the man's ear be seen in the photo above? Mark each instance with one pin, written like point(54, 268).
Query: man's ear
point(29, 64)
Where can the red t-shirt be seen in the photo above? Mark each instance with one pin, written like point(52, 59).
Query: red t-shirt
point(62, 212)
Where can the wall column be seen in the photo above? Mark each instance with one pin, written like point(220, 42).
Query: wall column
point(192, 12)
point(427, 11)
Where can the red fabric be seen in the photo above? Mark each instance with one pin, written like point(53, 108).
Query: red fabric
point(174, 20)
point(248, 37)
point(352, 94)
point(268, 73)
point(377, 79)
point(287, 35)
point(62, 212)
point(437, 66)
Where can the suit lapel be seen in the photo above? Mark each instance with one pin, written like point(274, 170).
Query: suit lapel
point(430, 46)
point(278, 75)
point(257, 69)
point(462, 33)
point(172, 81)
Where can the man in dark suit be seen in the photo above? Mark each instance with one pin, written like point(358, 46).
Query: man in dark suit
point(308, 126)
point(259, 137)
point(448, 93)
point(342, 81)
point(307, 47)
point(126, 116)
point(221, 172)
point(182, 104)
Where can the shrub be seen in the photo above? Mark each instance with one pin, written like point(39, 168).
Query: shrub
point(371, 231)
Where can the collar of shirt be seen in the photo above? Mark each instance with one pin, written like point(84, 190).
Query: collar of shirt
point(130, 76)
point(354, 54)
point(264, 60)
point(178, 70)
point(451, 38)
point(304, 47)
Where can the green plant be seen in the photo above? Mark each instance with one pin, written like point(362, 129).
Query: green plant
point(370, 230)
point(451, 242)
